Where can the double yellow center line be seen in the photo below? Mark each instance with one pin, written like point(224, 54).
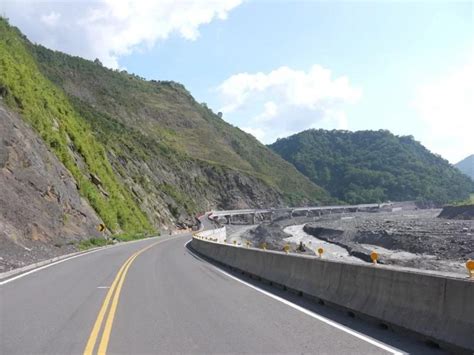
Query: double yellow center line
point(112, 299)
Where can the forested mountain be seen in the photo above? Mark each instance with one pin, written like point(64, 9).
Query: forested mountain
point(373, 166)
point(143, 154)
point(467, 166)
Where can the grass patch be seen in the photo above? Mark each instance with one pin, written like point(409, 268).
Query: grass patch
point(100, 242)
point(93, 243)
point(128, 237)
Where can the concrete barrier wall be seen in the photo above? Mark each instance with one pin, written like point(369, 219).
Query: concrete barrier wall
point(436, 307)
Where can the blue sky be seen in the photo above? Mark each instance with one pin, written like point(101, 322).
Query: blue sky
point(278, 67)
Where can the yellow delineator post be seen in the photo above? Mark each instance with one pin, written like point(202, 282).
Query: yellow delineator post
point(286, 248)
point(264, 246)
point(247, 243)
point(320, 252)
point(470, 268)
point(234, 241)
point(374, 256)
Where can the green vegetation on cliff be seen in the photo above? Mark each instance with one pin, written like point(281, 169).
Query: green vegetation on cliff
point(143, 153)
point(166, 114)
point(25, 89)
point(373, 166)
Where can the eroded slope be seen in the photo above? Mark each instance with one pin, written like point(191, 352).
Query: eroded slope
point(41, 212)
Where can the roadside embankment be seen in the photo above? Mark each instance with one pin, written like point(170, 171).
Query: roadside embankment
point(434, 307)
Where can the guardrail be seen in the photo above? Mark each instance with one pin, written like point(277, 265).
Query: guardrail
point(437, 308)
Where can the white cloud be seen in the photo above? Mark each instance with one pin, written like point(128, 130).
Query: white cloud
point(256, 132)
point(286, 101)
point(446, 106)
point(107, 29)
point(50, 19)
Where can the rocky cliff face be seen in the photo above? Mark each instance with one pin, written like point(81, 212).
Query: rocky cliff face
point(81, 144)
point(41, 212)
point(175, 155)
point(171, 193)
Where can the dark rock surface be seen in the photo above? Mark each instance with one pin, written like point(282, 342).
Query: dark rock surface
point(335, 236)
point(458, 212)
point(418, 232)
point(41, 212)
point(272, 235)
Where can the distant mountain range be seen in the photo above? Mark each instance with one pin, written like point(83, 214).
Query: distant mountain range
point(372, 166)
point(467, 166)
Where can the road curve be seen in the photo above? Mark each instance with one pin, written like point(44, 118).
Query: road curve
point(170, 301)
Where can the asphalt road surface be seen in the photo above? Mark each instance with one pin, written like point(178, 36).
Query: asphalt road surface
point(156, 296)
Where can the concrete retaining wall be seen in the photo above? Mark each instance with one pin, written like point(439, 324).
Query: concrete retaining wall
point(436, 307)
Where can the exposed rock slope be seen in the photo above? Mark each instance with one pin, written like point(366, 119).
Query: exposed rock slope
point(41, 212)
point(143, 154)
point(155, 131)
point(160, 155)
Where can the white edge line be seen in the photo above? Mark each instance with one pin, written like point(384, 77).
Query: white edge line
point(46, 266)
point(306, 311)
point(70, 258)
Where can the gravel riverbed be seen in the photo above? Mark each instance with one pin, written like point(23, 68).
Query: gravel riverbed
point(414, 238)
